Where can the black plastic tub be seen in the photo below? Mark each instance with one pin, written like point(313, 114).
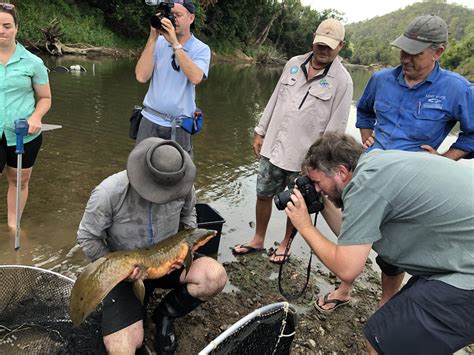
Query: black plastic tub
point(209, 218)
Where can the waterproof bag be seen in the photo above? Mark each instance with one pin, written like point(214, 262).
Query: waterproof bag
point(192, 125)
point(135, 120)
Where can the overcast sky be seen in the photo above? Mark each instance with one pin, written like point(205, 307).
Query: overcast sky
point(359, 10)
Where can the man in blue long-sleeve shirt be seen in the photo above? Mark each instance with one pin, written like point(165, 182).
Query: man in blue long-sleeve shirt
point(413, 107)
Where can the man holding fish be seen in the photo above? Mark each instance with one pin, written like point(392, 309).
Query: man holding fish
point(140, 208)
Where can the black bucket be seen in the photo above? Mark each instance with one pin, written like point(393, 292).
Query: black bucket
point(209, 218)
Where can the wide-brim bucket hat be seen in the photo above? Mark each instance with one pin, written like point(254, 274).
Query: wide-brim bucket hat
point(160, 170)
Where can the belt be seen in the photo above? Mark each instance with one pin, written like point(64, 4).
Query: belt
point(175, 121)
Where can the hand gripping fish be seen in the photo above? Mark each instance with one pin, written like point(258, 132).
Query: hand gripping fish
point(101, 276)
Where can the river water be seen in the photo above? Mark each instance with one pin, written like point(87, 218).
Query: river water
point(93, 108)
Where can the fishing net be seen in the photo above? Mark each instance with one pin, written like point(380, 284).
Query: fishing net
point(267, 330)
point(34, 315)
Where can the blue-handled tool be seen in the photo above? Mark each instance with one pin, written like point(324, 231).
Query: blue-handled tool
point(21, 130)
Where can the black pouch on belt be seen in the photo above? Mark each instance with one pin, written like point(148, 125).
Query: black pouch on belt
point(135, 120)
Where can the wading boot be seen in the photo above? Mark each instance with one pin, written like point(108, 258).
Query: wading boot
point(175, 304)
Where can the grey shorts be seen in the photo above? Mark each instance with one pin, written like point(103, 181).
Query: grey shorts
point(425, 317)
point(272, 180)
point(149, 129)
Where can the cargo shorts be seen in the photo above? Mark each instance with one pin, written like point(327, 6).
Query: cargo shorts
point(272, 180)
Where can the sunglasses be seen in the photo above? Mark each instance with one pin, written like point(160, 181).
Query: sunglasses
point(173, 63)
point(8, 7)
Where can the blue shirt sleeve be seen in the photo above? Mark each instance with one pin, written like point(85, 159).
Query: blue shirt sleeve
point(464, 112)
point(366, 117)
point(202, 59)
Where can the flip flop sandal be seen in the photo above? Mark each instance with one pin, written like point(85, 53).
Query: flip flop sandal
point(337, 303)
point(248, 249)
point(284, 258)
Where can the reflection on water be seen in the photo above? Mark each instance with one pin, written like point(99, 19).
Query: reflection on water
point(94, 107)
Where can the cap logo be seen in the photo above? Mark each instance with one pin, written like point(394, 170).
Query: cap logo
point(415, 35)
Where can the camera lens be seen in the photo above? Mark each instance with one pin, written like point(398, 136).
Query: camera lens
point(156, 21)
point(282, 199)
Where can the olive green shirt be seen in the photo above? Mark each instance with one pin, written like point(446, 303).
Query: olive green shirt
point(23, 71)
point(418, 211)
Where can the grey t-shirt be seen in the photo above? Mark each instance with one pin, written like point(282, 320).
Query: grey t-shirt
point(118, 218)
point(418, 211)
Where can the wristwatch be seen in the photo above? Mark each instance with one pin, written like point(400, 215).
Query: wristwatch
point(175, 48)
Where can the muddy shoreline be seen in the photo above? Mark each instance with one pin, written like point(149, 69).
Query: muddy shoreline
point(254, 283)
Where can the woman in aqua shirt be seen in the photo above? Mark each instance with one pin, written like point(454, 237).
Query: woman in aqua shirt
point(24, 93)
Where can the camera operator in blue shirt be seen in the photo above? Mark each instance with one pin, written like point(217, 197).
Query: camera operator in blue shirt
point(176, 62)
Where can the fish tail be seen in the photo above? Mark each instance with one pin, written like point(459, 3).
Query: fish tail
point(94, 283)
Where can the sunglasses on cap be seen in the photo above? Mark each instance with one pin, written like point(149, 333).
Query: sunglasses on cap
point(6, 6)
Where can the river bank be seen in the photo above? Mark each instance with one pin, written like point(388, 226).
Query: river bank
point(253, 283)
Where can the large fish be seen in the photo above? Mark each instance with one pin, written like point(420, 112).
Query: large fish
point(101, 276)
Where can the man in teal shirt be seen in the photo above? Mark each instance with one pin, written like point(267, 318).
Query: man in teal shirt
point(25, 93)
point(417, 212)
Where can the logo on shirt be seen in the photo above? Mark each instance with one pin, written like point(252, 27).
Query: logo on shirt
point(324, 83)
point(433, 102)
point(294, 70)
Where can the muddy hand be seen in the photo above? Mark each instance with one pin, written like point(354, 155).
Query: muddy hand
point(176, 266)
point(137, 274)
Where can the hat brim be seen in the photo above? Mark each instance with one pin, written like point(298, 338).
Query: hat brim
point(410, 46)
point(320, 39)
point(145, 184)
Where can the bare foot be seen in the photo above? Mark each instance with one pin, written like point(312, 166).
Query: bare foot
point(278, 255)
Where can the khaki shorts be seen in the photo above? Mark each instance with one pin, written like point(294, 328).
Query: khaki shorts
point(272, 180)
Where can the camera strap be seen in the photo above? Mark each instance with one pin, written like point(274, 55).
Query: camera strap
point(288, 296)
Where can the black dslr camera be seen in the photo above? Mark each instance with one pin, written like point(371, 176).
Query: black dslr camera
point(306, 187)
point(164, 11)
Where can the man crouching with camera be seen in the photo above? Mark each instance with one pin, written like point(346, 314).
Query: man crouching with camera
point(175, 61)
point(415, 210)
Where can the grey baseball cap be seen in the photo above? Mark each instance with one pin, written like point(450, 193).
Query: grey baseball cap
point(421, 33)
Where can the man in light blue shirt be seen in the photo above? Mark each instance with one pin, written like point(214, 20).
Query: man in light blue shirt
point(176, 62)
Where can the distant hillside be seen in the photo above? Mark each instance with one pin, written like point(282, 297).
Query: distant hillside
point(370, 40)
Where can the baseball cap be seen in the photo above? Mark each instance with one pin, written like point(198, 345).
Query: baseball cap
point(421, 33)
point(330, 32)
point(188, 4)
